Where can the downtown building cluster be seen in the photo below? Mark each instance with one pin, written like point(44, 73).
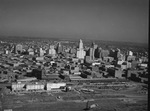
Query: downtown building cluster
point(32, 67)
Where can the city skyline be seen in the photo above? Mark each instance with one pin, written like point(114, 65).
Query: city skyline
point(117, 20)
point(43, 74)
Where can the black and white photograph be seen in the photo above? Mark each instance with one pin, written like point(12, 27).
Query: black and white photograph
point(74, 55)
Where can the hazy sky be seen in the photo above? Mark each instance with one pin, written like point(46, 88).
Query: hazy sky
point(119, 20)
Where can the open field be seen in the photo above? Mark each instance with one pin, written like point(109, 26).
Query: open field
point(104, 105)
point(108, 100)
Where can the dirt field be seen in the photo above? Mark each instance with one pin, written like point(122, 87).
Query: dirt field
point(125, 100)
point(103, 105)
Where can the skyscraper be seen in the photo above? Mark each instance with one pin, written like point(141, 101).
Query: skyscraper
point(92, 51)
point(80, 44)
point(41, 52)
point(117, 54)
point(80, 51)
point(59, 48)
point(18, 48)
point(51, 51)
point(94, 47)
point(104, 53)
point(98, 52)
point(130, 53)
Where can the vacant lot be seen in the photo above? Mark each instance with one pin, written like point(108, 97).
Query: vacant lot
point(103, 105)
point(125, 100)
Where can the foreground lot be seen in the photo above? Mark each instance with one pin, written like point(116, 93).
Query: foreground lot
point(107, 100)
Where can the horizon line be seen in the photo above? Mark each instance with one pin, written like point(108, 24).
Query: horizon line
point(86, 39)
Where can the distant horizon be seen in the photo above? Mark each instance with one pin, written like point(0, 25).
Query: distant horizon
point(73, 39)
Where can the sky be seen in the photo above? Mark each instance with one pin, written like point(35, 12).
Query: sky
point(113, 20)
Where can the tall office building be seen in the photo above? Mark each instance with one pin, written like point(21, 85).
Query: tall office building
point(41, 52)
point(130, 53)
point(94, 47)
point(51, 51)
point(18, 48)
point(80, 51)
point(93, 52)
point(112, 53)
point(98, 53)
point(59, 48)
point(72, 50)
point(104, 53)
point(117, 54)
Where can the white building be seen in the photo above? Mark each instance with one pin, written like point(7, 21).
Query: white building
point(35, 86)
point(52, 62)
point(41, 52)
point(130, 53)
point(17, 86)
point(39, 58)
point(120, 62)
point(18, 48)
point(31, 51)
point(96, 63)
point(80, 52)
point(51, 51)
point(6, 52)
point(51, 86)
point(144, 65)
point(109, 66)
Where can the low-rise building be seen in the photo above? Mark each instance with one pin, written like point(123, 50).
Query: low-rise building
point(35, 86)
point(17, 86)
point(51, 86)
